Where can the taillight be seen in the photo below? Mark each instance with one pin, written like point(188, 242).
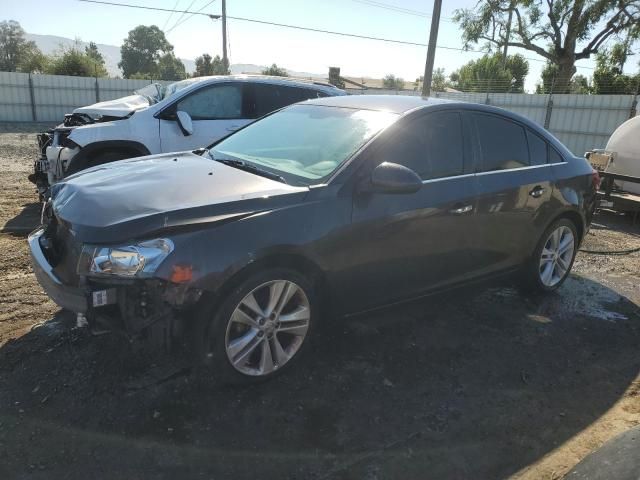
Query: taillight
point(595, 179)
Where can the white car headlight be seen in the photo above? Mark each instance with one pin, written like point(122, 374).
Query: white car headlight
point(140, 259)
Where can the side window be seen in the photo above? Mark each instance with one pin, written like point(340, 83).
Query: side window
point(268, 97)
point(537, 149)
point(431, 145)
point(554, 157)
point(502, 142)
point(214, 103)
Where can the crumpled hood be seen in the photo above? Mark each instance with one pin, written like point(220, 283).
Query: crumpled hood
point(120, 107)
point(132, 198)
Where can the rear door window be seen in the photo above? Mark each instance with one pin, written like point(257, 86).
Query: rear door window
point(265, 98)
point(503, 143)
point(431, 145)
point(537, 149)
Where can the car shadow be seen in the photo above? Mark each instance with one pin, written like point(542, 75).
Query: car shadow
point(476, 383)
point(25, 221)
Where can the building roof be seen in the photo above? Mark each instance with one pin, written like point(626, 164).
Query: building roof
point(392, 103)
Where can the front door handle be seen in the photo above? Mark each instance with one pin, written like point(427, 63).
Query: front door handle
point(537, 192)
point(463, 209)
point(233, 128)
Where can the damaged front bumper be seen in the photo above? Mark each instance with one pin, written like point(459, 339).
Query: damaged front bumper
point(147, 308)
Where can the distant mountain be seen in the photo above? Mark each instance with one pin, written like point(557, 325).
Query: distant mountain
point(50, 44)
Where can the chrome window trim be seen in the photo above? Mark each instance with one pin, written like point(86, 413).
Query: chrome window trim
point(529, 167)
point(452, 177)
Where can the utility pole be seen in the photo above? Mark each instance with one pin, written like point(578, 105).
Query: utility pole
point(431, 49)
point(225, 60)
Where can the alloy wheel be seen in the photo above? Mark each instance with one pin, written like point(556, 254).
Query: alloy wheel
point(556, 256)
point(267, 327)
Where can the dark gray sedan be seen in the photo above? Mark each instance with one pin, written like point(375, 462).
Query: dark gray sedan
point(351, 202)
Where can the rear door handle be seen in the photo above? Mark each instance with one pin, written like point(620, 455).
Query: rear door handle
point(463, 209)
point(537, 192)
point(233, 128)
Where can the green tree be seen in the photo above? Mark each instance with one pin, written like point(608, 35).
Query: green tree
point(275, 71)
point(75, 62)
point(608, 77)
point(492, 74)
point(438, 80)
point(93, 53)
point(142, 50)
point(14, 48)
point(205, 66)
point(578, 84)
point(390, 81)
point(171, 68)
point(34, 61)
point(562, 31)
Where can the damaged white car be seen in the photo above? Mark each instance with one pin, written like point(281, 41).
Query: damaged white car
point(159, 118)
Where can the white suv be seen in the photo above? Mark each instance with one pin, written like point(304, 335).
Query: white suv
point(180, 116)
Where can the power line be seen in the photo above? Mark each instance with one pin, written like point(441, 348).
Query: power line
point(175, 5)
point(395, 8)
point(317, 30)
point(194, 13)
point(142, 7)
point(182, 15)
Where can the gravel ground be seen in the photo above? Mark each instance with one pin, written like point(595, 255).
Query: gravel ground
point(479, 383)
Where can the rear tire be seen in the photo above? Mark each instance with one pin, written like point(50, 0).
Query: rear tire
point(261, 327)
point(553, 257)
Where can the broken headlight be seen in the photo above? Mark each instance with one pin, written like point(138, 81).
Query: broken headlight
point(141, 259)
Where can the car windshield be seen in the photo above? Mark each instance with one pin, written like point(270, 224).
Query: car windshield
point(155, 92)
point(304, 144)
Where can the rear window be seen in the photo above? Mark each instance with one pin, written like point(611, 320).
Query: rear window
point(503, 143)
point(554, 156)
point(537, 149)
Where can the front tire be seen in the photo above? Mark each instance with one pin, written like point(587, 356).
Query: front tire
point(260, 328)
point(553, 257)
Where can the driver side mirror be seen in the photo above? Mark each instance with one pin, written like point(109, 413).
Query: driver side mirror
point(184, 122)
point(392, 178)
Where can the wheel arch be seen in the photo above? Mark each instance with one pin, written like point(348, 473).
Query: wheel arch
point(290, 260)
point(575, 218)
point(80, 161)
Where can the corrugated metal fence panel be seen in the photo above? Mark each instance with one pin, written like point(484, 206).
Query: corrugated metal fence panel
point(584, 122)
point(56, 95)
point(15, 102)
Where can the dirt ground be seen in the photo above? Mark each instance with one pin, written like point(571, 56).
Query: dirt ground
point(479, 383)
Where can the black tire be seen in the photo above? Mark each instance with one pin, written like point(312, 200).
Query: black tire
point(213, 316)
point(531, 275)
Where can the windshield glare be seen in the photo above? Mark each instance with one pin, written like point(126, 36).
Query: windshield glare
point(304, 143)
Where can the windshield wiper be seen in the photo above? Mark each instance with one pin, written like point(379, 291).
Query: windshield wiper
point(248, 167)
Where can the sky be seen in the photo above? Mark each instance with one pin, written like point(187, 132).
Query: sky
point(264, 44)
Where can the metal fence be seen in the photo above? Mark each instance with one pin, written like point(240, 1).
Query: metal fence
point(581, 122)
point(46, 98)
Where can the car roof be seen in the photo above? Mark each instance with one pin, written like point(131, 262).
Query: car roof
point(391, 103)
point(292, 81)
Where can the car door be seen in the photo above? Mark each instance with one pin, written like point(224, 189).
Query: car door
point(406, 244)
point(215, 110)
point(514, 188)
